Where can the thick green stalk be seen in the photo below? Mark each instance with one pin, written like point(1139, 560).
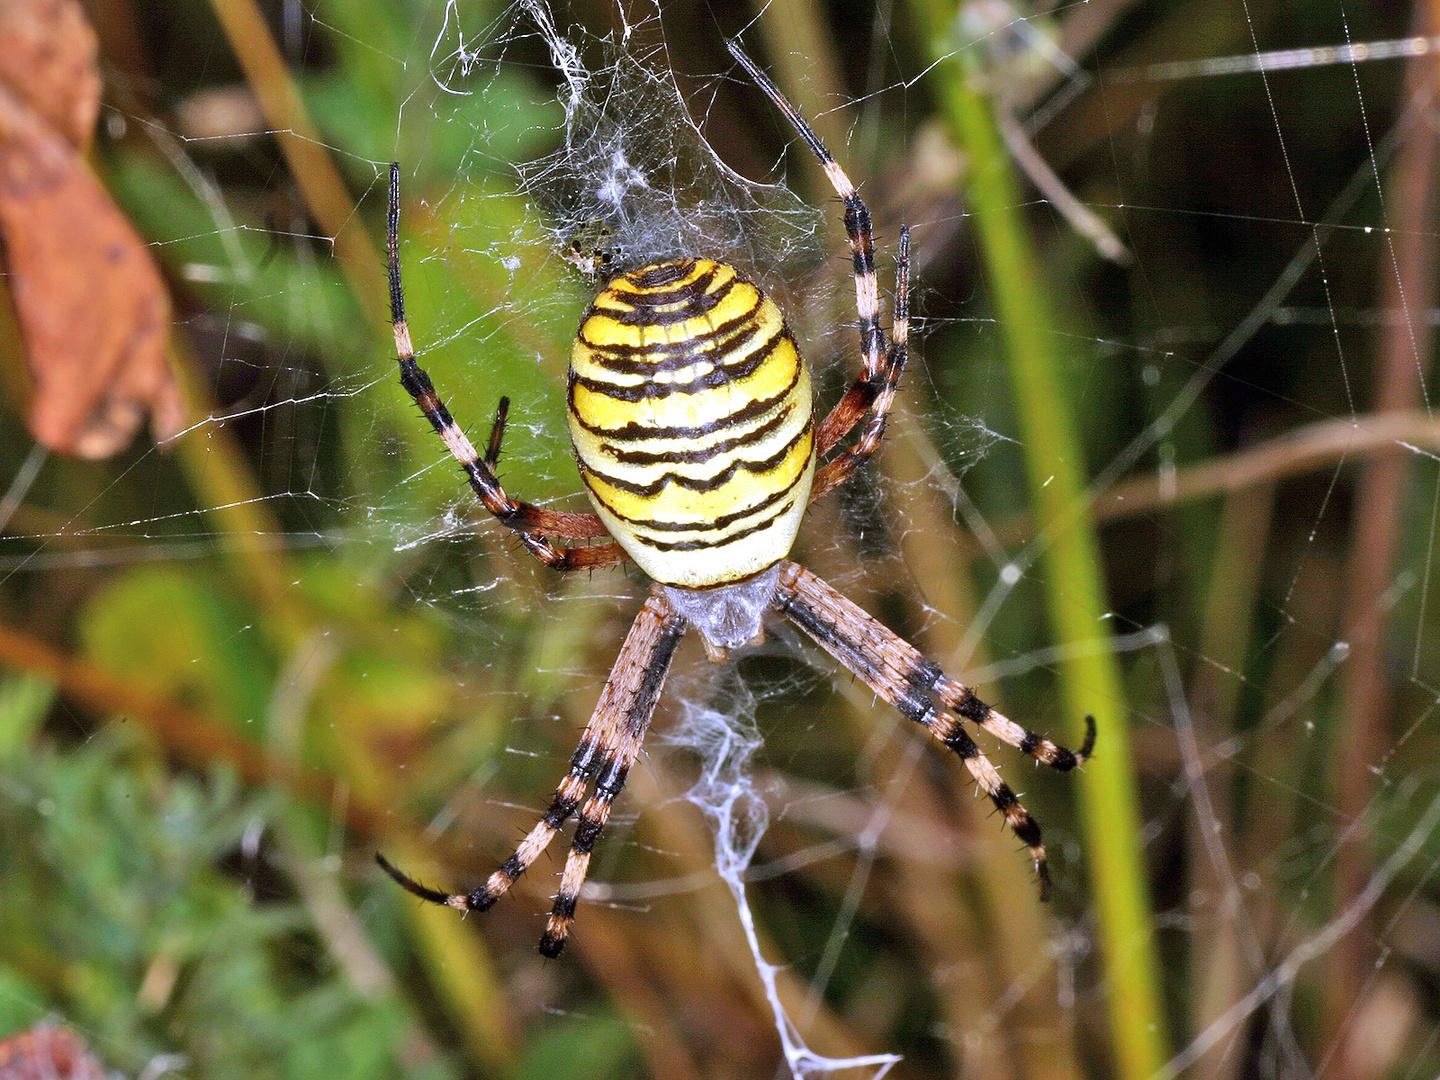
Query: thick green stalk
point(1090, 678)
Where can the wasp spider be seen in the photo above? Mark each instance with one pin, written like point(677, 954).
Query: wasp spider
point(691, 413)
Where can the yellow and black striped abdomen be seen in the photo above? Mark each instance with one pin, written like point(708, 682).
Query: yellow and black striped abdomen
point(691, 414)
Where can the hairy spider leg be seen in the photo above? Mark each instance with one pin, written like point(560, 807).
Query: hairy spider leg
point(531, 523)
point(902, 676)
point(837, 470)
point(881, 369)
point(607, 751)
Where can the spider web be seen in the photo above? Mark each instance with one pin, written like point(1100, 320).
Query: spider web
point(1243, 177)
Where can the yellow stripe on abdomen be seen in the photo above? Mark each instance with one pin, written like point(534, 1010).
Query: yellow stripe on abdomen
point(690, 410)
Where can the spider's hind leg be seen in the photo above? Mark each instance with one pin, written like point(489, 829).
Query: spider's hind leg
point(534, 525)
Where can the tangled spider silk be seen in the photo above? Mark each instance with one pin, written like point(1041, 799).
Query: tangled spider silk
point(633, 179)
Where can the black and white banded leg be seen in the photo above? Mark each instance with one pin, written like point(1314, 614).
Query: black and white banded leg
point(531, 523)
point(607, 751)
point(874, 391)
point(902, 676)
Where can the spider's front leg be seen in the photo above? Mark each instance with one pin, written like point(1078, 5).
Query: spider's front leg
point(902, 676)
point(531, 523)
point(607, 751)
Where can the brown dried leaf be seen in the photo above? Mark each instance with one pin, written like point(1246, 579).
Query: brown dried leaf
point(48, 1052)
point(48, 58)
point(92, 307)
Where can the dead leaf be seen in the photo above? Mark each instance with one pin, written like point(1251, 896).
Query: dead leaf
point(48, 1052)
point(48, 57)
point(92, 307)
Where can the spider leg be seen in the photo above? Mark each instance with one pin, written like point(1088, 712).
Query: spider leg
point(836, 471)
point(583, 764)
point(621, 719)
point(608, 748)
point(902, 676)
point(530, 522)
point(881, 368)
point(962, 700)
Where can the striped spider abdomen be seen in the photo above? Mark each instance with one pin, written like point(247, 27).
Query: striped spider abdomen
point(691, 412)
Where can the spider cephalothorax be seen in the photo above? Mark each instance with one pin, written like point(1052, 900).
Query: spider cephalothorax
point(693, 424)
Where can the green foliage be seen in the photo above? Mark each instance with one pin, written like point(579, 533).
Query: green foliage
point(178, 633)
point(596, 1047)
point(128, 904)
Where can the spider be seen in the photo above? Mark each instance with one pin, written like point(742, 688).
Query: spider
point(693, 425)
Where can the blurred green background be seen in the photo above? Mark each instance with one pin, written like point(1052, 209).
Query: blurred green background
point(1171, 464)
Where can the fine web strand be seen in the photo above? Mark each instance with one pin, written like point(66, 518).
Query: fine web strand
point(725, 741)
point(1282, 977)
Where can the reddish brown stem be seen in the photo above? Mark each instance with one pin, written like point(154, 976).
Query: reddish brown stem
point(1408, 276)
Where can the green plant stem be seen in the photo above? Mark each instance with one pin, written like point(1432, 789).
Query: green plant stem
point(1090, 677)
point(310, 162)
